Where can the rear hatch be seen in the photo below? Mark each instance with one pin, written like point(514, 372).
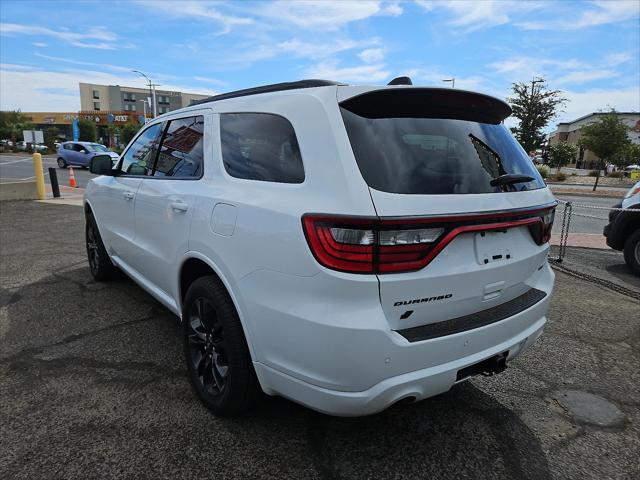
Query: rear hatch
point(449, 241)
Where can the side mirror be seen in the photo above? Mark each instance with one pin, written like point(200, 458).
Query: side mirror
point(101, 165)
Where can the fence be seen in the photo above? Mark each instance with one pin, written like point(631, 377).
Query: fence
point(597, 277)
point(568, 214)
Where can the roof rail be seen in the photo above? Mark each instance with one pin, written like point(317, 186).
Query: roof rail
point(275, 87)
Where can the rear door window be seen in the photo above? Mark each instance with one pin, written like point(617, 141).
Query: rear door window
point(260, 146)
point(406, 150)
point(182, 151)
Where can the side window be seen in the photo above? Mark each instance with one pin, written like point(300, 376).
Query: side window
point(77, 147)
point(182, 150)
point(68, 146)
point(139, 158)
point(260, 146)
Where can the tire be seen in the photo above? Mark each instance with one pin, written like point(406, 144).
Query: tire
point(99, 262)
point(632, 251)
point(215, 349)
point(61, 163)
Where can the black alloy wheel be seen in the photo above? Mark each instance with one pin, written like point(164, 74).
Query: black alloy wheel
point(218, 361)
point(207, 347)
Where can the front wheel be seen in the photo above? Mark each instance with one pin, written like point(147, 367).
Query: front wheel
point(216, 351)
point(62, 163)
point(632, 251)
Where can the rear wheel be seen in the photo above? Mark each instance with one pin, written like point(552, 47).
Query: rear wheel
point(61, 163)
point(99, 262)
point(632, 251)
point(216, 351)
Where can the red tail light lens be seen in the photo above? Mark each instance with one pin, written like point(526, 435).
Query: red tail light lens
point(547, 224)
point(373, 245)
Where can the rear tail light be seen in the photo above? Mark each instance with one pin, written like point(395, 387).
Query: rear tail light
point(547, 225)
point(374, 245)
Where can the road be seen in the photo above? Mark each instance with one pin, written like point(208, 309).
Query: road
point(580, 224)
point(20, 167)
point(94, 386)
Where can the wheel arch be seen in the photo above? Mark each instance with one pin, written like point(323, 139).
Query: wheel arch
point(194, 265)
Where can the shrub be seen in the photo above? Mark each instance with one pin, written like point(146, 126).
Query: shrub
point(543, 170)
point(593, 173)
point(616, 175)
point(561, 177)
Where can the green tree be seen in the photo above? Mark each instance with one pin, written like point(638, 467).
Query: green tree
point(12, 123)
point(630, 155)
point(50, 136)
point(534, 105)
point(607, 138)
point(561, 154)
point(129, 131)
point(88, 130)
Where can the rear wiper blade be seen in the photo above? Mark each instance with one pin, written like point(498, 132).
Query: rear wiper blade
point(510, 179)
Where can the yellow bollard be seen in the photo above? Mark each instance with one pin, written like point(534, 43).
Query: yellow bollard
point(37, 167)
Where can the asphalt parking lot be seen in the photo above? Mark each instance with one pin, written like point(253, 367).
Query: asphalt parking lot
point(92, 385)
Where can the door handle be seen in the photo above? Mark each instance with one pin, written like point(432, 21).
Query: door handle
point(128, 195)
point(179, 206)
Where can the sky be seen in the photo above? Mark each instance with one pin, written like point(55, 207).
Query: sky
point(588, 49)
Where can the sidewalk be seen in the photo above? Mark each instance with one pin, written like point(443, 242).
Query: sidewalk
point(585, 240)
point(577, 189)
point(68, 196)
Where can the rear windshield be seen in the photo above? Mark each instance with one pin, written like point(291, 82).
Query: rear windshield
point(425, 156)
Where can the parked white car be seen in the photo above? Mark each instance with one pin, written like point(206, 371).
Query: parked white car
point(345, 247)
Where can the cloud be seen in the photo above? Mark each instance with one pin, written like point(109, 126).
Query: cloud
point(34, 89)
point(39, 44)
point(95, 37)
point(586, 76)
point(435, 76)
point(470, 16)
point(207, 11)
point(267, 49)
point(325, 15)
point(582, 103)
point(372, 55)
point(370, 73)
point(604, 12)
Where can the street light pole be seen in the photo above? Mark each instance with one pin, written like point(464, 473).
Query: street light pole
point(152, 91)
point(452, 80)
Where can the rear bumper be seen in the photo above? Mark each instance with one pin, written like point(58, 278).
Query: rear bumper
point(418, 385)
point(329, 346)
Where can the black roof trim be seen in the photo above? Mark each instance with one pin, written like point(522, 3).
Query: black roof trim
point(275, 87)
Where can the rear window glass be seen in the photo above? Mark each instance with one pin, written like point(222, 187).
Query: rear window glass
point(417, 155)
point(260, 146)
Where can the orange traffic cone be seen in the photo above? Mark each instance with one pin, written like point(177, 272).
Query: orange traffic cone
point(72, 179)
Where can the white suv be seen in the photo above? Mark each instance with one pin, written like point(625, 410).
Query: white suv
point(345, 247)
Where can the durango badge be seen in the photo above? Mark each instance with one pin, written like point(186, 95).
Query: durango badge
point(423, 300)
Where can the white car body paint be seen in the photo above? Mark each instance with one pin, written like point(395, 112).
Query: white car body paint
point(321, 337)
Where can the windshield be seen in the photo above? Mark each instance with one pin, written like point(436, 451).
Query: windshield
point(96, 147)
point(435, 155)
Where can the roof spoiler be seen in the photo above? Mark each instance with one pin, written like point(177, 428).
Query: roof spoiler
point(417, 102)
